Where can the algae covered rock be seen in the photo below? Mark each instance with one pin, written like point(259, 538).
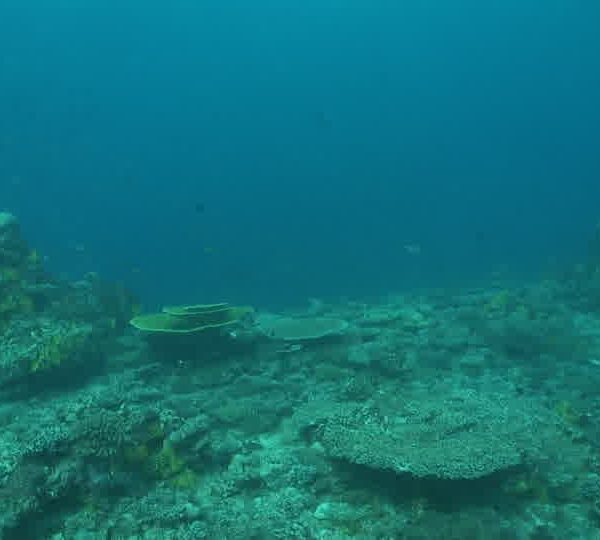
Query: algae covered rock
point(12, 247)
point(47, 325)
point(21, 273)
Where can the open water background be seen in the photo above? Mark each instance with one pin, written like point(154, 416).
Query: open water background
point(268, 152)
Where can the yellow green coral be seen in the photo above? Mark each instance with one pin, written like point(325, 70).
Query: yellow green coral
point(190, 319)
point(13, 303)
point(159, 460)
point(166, 463)
point(528, 485)
point(567, 413)
point(54, 350)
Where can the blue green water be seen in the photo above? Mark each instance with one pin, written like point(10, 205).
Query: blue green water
point(268, 152)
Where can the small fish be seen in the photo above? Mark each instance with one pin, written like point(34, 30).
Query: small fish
point(322, 120)
point(412, 249)
point(199, 208)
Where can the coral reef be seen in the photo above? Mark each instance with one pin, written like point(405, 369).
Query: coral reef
point(470, 415)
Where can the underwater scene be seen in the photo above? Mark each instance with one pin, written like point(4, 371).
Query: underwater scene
point(299, 270)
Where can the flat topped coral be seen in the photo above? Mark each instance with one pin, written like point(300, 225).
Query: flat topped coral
point(438, 431)
point(301, 328)
point(190, 319)
point(196, 309)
